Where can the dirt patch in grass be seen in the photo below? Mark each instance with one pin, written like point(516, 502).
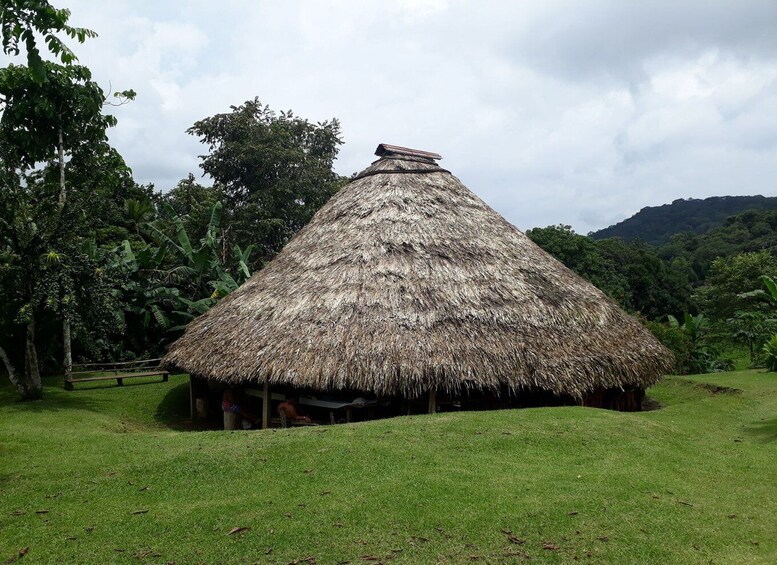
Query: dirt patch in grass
point(711, 388)
point(717, 389)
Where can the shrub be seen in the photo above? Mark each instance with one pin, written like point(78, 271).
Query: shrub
point(692, 351)
point(770, 353)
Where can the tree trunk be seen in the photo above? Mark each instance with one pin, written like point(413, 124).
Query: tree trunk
point(10, 369)
point(66, 343)
point(32, 388)
point(62, 190)
point(62, 200)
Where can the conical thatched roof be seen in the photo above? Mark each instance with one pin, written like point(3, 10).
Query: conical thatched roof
point(406, 280)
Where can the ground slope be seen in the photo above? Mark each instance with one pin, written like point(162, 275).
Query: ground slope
point(104, 476)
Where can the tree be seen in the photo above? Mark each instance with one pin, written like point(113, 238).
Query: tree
point(581, 254)
point(730, 280)
point(193, 203)
point(42, 122)
point(170, 280)
point(22, 19)
point(275, 171)
point(632, 274)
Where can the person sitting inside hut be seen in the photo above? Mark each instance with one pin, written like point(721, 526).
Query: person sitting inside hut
point(230, 404)
point(290, 410)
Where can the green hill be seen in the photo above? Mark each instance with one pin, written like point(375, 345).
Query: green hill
point(109, 475)
point(656, 224)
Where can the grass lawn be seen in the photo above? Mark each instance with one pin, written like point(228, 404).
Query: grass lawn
point(107, 475)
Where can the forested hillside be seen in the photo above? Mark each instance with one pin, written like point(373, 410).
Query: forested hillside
point(656, 224)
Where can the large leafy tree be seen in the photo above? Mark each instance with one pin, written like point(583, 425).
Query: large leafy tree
point(275, 171)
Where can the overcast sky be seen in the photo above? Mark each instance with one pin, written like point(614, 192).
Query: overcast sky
point(553, 112)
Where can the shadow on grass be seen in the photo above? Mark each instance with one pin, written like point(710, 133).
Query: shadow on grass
point(53, 400)
point(173, 411)
point(765, 430)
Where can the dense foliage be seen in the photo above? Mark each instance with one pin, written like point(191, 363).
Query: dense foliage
point(657, 224)
point(632, 274)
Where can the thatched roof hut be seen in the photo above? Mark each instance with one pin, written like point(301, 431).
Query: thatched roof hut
point(406, 282)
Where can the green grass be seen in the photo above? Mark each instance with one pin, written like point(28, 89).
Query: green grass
point(693, 482)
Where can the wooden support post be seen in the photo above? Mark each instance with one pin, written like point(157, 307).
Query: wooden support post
point(230, 421)
point(266, 404)
point(432, 400)
point(192, 401)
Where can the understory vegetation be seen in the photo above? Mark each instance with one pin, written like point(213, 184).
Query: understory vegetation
point(110, 475)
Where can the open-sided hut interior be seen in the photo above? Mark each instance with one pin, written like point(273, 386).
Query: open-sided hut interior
point(408, 290)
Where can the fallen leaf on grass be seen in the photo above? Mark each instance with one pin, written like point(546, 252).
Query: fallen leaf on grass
point(118, 549)
point(18, 513)
point(43, 511)
point(325, 492)
point(551, 547)
point(574, 513)
point(238, 530)
point(732, 516)
point(513, 538)
point(287, 514)
point(142, 511)
point(141, 489)
point(684, 503)
point(603, 538)
point(24, 551)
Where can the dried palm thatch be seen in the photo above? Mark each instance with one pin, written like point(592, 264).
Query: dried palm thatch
point(406, 281)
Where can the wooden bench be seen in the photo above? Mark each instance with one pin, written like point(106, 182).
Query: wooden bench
point(89, 372)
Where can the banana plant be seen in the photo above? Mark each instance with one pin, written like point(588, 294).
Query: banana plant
point(189, 279)
point(693, 326)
